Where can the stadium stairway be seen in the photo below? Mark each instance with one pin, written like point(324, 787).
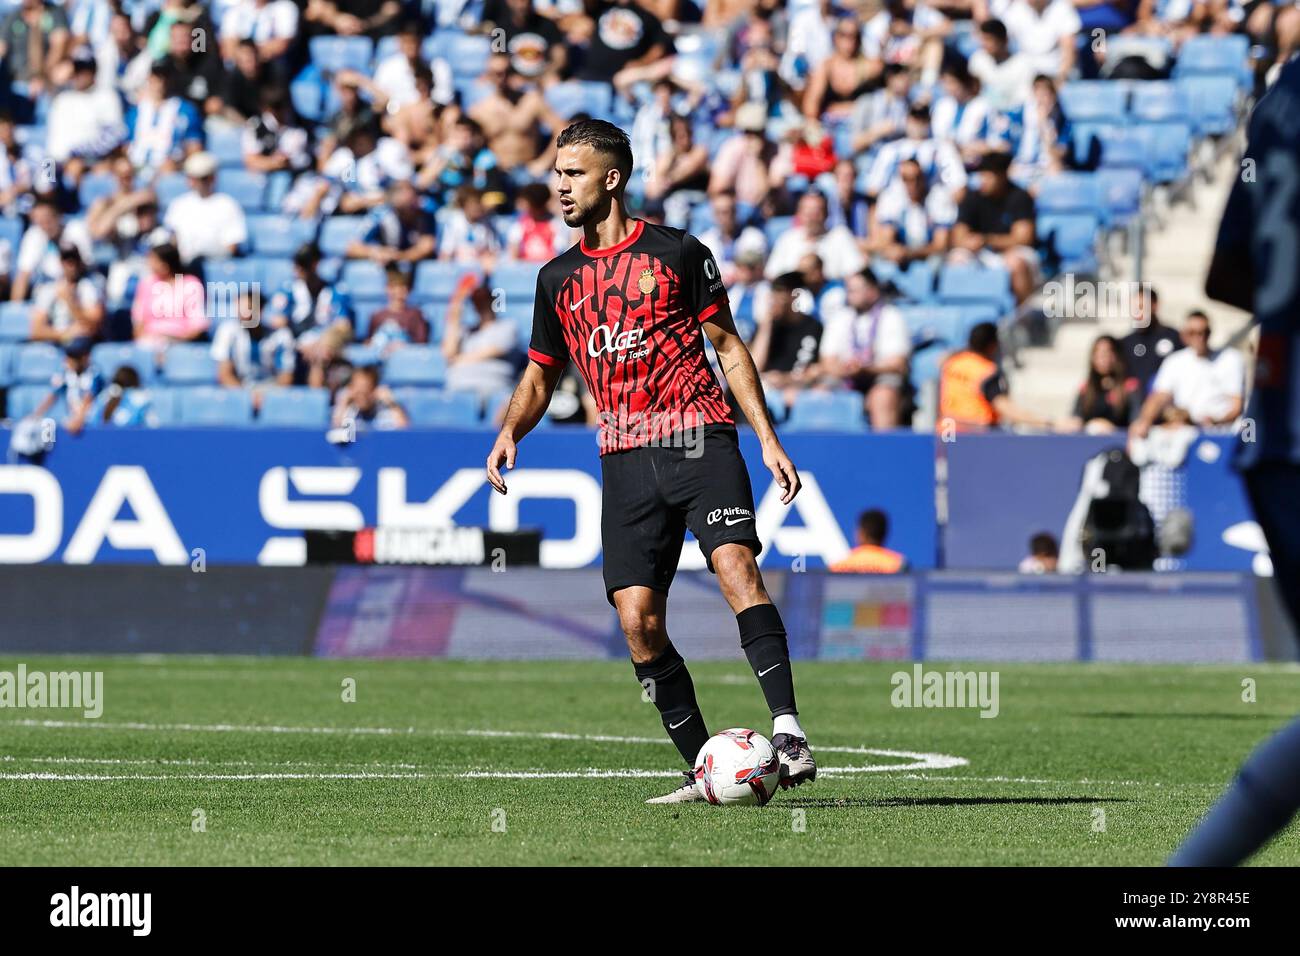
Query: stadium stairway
point(1177, 254)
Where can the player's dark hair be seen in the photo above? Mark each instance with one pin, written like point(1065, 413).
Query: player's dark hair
point(787, 282)
point(1043, 545)
point(874, 525)
point(604, 138)
point(983, 338)
point(396, 275)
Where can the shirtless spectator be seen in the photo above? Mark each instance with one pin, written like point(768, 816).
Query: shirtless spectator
point(511, 113)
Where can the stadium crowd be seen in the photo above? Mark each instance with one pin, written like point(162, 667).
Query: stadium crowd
point(262, 210)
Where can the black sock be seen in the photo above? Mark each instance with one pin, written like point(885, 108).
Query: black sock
point(762, 635)
point(668, 684)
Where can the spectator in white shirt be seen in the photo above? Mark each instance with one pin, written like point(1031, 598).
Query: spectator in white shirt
point(38, 253)
point(468, 235)
point(1043, 31)
point(85, 120)
point(837, 248)
point(867, 346)
point(1004, 77)
point(1195, 384)
point(207, 224)
point(271, 24)
point(70, 307)
point(913, 222)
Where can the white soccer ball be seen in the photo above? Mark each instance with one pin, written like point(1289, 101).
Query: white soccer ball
point(738, 766)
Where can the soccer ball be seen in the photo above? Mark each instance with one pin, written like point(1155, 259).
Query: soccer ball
point(738, 766)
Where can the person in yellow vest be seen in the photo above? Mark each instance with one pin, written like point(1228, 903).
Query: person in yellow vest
point(871, 556)
point(973, 391)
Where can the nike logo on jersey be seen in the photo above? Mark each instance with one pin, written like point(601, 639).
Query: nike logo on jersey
point(578, 304)
point(730, 521)
point(769, 670)
point(680, 722)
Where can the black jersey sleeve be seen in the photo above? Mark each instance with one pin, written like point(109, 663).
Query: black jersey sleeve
point(547, 344)
point(702, 290)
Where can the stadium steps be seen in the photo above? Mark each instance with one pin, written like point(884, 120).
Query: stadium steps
point(1175, 262)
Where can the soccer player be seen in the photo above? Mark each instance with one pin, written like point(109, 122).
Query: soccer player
point(1254, 268)
point(630, 304)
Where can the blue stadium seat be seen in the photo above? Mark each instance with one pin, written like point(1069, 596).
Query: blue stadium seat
point(211, 405)
point(437, 280)
point(337, 232)
point(37, 364)
point(516, 280)
point(307, 93)
point(273, 234)
point(294, 408)
point(1158, 101)
point(15, 321)
point(244, 271)
point(276, 273)
point(1211, 103)
point(108, 357)
point(1225, 55)
point(227, 145)
point(1168, 149)
point(330, 54)
point(435, 409)
point(1068, 192)
point(95, 186)
point(1114, 145)
point(926, 364)
point(827, 411)
point(362, 309)
point(577, 96)
point(277, 188)
point(166, 404)
point(245, 187)
point(361, 356)
point(8, 355)
point(189, 363)
point(915, 283)
point(11, 231)
point(775, 226)
point(168, 187)
point(416, 365)
point(364, 279)
point(468, 55)
point(975, 284)
point(1071, 239)
point(1120, 195)
point(934, 323)
point(23, 399)
point(1095, 100)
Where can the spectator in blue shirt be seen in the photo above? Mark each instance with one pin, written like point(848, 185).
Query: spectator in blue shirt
point(401, 231)
point(77, 384)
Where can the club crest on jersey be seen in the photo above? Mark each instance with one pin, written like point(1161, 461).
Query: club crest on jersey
point(647, 281)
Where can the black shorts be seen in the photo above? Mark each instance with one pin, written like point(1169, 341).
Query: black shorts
point(651, 495)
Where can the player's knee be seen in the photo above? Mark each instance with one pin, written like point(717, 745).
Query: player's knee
point(738, 571)
point(644, 631)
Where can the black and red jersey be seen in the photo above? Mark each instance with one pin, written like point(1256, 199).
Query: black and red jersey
point(629, 316)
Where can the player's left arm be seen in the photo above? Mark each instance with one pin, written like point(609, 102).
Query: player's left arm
point(742, 376)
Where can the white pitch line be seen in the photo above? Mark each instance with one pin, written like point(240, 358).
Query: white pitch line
point(919, 760)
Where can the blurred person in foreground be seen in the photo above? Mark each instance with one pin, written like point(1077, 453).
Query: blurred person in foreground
point(974, 394)
point(1254, 268)
point(870, 556)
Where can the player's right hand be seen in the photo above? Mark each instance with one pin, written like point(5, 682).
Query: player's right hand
point(502, 451)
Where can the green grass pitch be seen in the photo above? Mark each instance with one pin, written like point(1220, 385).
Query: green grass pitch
point(1084, 765)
